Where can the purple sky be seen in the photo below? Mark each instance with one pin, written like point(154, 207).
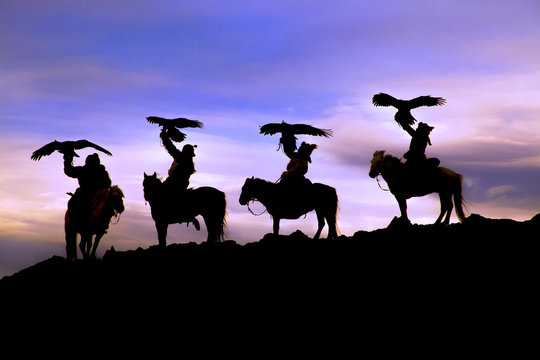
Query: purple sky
point(95, 69)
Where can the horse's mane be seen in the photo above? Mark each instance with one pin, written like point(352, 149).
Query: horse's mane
point(392, 159)
point(116, 189)
point(262, 181)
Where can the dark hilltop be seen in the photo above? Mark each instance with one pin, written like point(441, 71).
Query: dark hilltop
point(416, 289)
point(478, 252)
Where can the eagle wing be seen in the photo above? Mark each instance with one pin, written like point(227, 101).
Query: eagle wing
point(178, 122)
point(81, 144)
point(156, 120)
point(310, 130)
point(184, 123)
point(273, 128)
point(382, 99)
point(426, 101)
point(175, 135)
point(45, 150)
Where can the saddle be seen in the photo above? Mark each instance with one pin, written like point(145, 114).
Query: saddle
point(101, 198)
point(185, 197)
point(295, 188)
point(421, 170)
point(84, 210)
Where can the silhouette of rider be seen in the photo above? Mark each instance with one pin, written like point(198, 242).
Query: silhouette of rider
point(181, 169)
point(92, 177)
point(416, 156)
point(294, 178)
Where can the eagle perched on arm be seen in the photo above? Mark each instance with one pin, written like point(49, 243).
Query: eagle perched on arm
point(66, 147)
point(288, 132)
point(403, 115)
point(171, 126)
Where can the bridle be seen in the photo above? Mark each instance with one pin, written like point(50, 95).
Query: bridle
point(378, 180)
point(379, 183)
point(251, 211)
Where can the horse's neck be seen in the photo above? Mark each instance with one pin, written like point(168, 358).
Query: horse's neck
point(391, 169)
point(155, 191)
point(265, 191)
point(389, 165)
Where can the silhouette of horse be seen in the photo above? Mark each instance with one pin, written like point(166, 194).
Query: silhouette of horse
point(168, 208)
point(404, 184)
point(281, 205)
point(106, 204)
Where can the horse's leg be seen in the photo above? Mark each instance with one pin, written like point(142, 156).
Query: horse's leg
point(71, 245)
point(332, 230)
point(210, 223)
point(446, 208)
point(276, 225)
point(320, 225)
point(402, 202)
point(449, 208)
point(85, 244)
point(71, 239)
point(162, 233)
point(95, 246)
point(443, 209)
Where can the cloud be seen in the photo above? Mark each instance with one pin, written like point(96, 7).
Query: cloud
point(73, 79)
point(500, 190)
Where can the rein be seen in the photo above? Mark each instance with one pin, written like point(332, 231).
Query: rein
point(251, 211)
point(117, 217)
point(378, 183)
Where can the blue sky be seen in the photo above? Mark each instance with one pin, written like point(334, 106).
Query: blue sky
point(95, 70)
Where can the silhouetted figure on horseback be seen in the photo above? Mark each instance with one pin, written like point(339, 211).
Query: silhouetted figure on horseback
point(419, 175)
point(287, 141)
point(171, 201)
point(92, 178)
point(293, 181)
point(181, 169)
point(416, 161)
point(91, 207)
point(294, 195)
point(95, 201)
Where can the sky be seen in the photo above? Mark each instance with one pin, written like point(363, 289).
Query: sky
point(95, 69)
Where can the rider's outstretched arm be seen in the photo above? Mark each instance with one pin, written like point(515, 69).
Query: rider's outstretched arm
point(408, 129)
point(171, 149)
point(69, 169)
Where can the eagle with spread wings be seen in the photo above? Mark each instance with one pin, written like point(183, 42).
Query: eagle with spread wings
point(171, 126)
point(66, 147)
point(403, 116)
point(288, 132)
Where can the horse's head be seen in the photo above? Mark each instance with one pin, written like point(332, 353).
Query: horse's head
point(150, 185)
point(376, 163)
point(116, 199)
point(247, 191)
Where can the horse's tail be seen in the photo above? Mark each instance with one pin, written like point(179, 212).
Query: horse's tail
point(330, 202)
point(336, 213)
point(222, 230)
point(459, 202)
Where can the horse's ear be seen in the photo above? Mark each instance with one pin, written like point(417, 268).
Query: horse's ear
point(253, 177)
point(145, 176)
point(155, 175)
